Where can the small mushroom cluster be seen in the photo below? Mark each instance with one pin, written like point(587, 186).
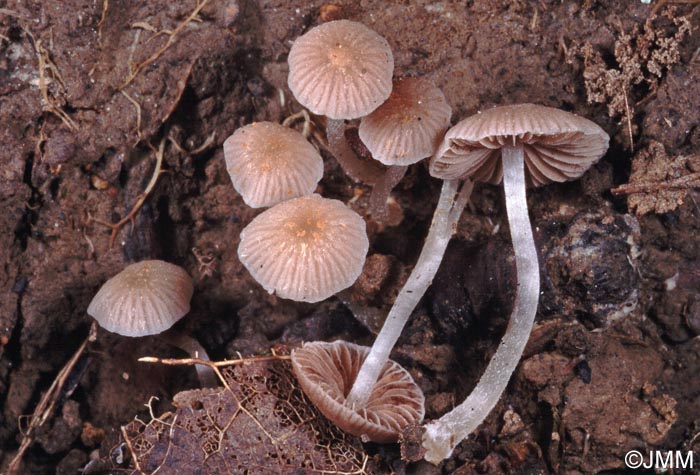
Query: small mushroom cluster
point(520, 145)
point(307, 248)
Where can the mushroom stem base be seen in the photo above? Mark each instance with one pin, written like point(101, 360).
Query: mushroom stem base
point(443, 435)
point(446, 215)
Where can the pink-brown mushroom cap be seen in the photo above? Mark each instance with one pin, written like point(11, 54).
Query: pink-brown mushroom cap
point(340, 69)
point(305, 249)
point(409, 125)
point(146, 298)
point(326, 372)
point(269, 163)
point(558, 145)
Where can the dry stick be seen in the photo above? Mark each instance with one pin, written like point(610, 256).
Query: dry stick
point(44, 60)
point(171, 39)
point(46, 405)
point(686, 181)
point(129, 218)
point(661, 3)
point(212, 364)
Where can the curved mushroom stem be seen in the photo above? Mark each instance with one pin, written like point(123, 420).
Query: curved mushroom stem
point(382, 190)
point(207, 378)
point(446, 215)
point(443, 435)
point(355, 168)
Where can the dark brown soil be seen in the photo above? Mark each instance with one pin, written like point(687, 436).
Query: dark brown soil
point(87, 95)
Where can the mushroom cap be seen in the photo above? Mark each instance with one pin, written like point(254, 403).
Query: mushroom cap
point(558, 145)
point(146, 298)
point(269, 163)
point(305, 249)
point(340, 69)
point(326, 372)
point(409, 125)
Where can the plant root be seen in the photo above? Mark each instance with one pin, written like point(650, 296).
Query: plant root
point(129, 218)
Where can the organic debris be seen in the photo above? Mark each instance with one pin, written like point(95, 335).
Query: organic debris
point(259, 422)
point(658, 183)
point(642, 56)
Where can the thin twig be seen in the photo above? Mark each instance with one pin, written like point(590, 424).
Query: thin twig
point(686, 181)
point(172, 35)
point(129, 218)
point(48, 401)
point(212, 364)
point(138, 113)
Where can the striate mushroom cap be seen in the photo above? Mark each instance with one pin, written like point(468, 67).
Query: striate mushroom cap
point(409, 125)
point(269, 163)
point(326, 372)
point(558, 145)
point(340, 69)
point(146, 298)
point(305, 249)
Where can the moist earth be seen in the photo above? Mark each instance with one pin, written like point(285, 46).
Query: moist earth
point(90, 90)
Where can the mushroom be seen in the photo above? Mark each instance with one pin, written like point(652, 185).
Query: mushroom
point(325, 372)
point(536, 145)
point(269, 163)
point(148, 298)
point(409, 125)
point(343, 70)
point(305, 249)
point(405, 129)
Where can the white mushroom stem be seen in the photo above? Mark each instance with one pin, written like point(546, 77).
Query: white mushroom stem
point(446, 215)
point(443, 435)
point(207, 378)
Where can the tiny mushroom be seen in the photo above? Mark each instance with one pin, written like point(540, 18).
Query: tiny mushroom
point(269, 163)
point(343, 70)
point(148, 298)
point(340, 69)
point(325, 372)
point(519, 144)
point(305, 249)
point(407, 127)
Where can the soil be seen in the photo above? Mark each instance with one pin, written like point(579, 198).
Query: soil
point(89, 90)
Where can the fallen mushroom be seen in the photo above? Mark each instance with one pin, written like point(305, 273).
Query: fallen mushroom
point(148, 298)
point(269, 163)
point(538, 145)
point(325, 372)
point(305, 249)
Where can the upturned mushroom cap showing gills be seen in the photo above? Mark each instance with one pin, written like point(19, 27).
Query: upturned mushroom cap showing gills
point(146, 298)
point(407, 127)
point(558, 145)
point(305, 249)
point(340, 69)
point(269, 163)
point(326, 371)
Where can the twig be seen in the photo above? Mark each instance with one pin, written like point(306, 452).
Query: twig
point(44, 61)
point(212, 364)
point(662, 3)
point(171, 39)
point(629, 119)
point(138, 113)
point(105, 6)
point(686, 181)
point(129, 218)
point(48, 401)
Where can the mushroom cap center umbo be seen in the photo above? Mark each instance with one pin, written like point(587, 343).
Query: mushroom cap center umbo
point(308, 227)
